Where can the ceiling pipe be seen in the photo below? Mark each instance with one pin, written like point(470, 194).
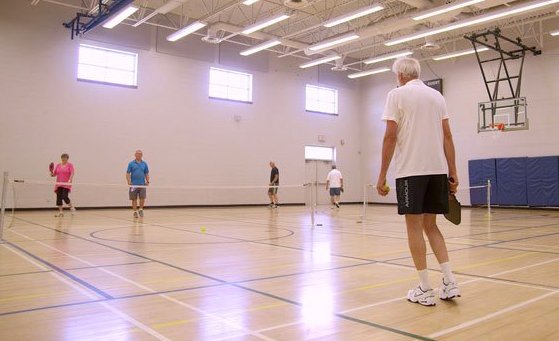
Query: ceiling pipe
point(163, 9)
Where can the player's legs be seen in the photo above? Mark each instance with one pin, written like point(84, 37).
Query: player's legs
point(59, 198)
point(416, 242)
point(436, 239)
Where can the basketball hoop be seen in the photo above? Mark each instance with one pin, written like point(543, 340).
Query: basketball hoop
point(496, 129)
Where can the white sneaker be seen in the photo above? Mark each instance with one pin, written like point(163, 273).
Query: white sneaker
point(417, 295)
point(135, 214)
point(141, 213)
point(59, 215)
point(449, 291)
point(72, 210)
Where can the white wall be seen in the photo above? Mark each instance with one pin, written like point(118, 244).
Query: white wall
point(187, 138)
point(463, 89)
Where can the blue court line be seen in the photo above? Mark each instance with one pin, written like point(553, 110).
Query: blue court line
point(62, 271)
point(107, 266)
point(26, 273)
point(51, 307)
point(236, 285)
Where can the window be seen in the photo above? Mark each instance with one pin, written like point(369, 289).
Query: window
point(320, 153)
point(231, 85)
point(107, 66)
point(323, 100)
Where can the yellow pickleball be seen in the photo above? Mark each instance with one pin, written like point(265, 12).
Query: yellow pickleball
point(386, 189)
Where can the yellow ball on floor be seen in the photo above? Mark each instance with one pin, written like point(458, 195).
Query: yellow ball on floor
point(203, 229)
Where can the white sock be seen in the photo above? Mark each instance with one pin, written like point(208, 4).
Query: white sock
point(424, 280)
point(448, 277)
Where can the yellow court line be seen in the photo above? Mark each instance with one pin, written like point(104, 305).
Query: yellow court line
point(25, 297)
point(181, 322)
point(499, 260)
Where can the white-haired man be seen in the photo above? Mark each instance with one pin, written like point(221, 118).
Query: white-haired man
point(417, 128)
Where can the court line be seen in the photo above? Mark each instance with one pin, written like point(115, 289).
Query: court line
point(62, 271)
point(240, 287)
point(490, 316)
point(31, 258)
point(26, 273)
point(474, 279)
point(146, 288)
point(108, 265)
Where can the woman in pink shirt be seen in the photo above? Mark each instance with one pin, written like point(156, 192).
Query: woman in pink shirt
point(64, 172)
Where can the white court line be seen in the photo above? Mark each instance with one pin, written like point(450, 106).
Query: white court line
point(490, 316)
point(474, 279)
point(141, 286)
point(91, 296)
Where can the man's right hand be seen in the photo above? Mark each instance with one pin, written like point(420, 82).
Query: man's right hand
point(453, 184)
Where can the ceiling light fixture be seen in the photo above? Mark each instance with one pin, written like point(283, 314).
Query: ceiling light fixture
point(266, 22)
point(473, 21)
point(354, 15)
point(387, 57)
point(446, 8)
point(459, 53)
point(120, 16)
point(334, 41)
point(183, 32)
point(260, 47)
point(319, 61)
point(368, 72)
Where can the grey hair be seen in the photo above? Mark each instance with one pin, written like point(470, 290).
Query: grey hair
point(333, 166)
point(407, 67)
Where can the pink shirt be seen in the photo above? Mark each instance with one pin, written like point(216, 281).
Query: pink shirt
point(63, 174)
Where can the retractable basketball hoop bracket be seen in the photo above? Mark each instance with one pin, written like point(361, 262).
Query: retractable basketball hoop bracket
point(510, 55)
point(84, 22)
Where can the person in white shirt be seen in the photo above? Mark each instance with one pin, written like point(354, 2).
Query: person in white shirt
point(417, 128)
point(335, 183)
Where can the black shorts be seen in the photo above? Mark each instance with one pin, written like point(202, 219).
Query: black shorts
point(422, 194)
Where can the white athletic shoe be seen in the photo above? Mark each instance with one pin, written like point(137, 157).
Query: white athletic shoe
point(141, 213)
point(135, 214)
point(417, 295)
point(72, 210)
point(59, 215)
point(449, 291)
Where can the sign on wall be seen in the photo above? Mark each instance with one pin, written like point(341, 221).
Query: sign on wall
point(436, 84)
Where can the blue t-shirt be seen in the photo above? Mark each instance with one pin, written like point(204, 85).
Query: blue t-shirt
point(138, 171)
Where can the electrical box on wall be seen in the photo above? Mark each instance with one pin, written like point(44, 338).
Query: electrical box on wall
point(321, 138)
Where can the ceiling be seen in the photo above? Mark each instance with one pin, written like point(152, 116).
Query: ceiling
point(226, 19)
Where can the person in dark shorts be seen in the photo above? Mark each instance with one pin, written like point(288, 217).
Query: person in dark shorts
point(417, 128)
point(64, 172)
point(274, 182)
point(335, 184)
point(137, 174)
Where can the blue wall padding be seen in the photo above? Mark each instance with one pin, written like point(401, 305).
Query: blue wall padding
point(543, 181)
point(511, 181)
point(481, 171)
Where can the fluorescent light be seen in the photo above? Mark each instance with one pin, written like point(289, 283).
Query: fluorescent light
point(459, 53)
point(267, 22)
point(446, 8)
point(195, 26)
point(473, 21)
point(368, 72)
point(319, 61)
point(554, 33)
point(260, 47)
point(249, 2)
point(355, 14)
point(387, 57)
point(120, 16)
point(334, 41)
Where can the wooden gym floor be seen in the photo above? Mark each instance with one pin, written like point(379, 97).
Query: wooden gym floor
point(261, 274)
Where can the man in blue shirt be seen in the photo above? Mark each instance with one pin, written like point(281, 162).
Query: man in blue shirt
point(137, 174)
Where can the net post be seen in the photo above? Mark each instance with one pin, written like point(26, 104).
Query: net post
point(311, 203)
point(488, 197)
point(365, 201)
point(3, 204)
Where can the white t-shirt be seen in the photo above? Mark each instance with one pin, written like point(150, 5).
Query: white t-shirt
point(335, 178)
point(419, 111)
